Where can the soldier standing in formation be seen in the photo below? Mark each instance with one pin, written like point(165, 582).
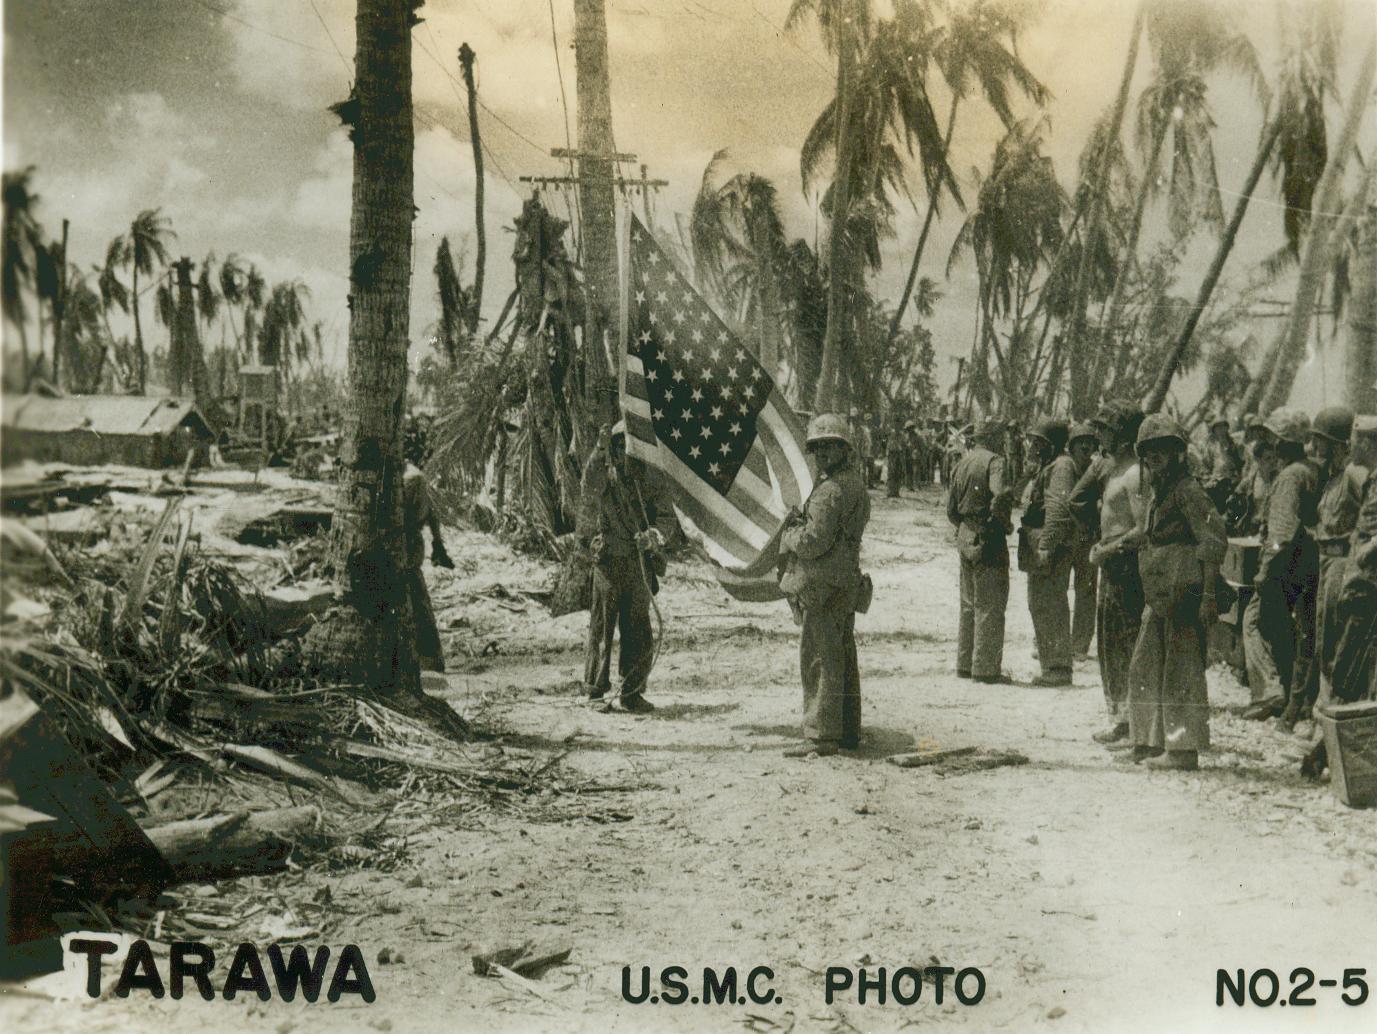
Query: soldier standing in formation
point(979, 502)
point(1046, 546)
point(1179, 559)
point(820, 548)
point(1337, 517)
point(1279, 636)
point(1081, 448)
point(1223, 461)
point(1112, 489)
point(896, 458)
point(618, 528)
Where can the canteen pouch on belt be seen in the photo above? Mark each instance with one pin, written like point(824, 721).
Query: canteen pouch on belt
point(1028, 547)
point(865, 593)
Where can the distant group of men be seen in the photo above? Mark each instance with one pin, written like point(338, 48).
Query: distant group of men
point(1133, 509)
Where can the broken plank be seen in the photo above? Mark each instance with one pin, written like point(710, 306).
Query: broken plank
point(922, 758)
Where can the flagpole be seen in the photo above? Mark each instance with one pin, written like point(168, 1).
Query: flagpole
point(623, 297)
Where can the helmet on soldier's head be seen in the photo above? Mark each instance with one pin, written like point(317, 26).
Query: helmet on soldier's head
point(1334, 423)
point(1215, 419)
point(989, 432)
point(828, 427)
point(1051, 430)
point(1288, 425)
point(1082, 431)
point(1158, 427)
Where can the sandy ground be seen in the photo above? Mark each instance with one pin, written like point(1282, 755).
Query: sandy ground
point(1092, 895)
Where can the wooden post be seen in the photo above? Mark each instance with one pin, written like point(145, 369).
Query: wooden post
point(596, 198)
point(466, 56)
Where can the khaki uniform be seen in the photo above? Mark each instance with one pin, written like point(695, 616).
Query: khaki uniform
point(1048, 525)
point(896, 464)
point(1354, 675)
point(417, 514)
point(624, 579)
point(1084, 575)
point(978, 503)
point(1337, 519)
point(1168, 706)
point(822, 575)
point(1279, 623)
point(1113, 488)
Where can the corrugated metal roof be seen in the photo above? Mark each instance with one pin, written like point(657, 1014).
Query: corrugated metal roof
point(103, 414)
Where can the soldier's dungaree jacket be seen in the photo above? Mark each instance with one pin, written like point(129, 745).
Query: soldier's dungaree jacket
point(821, 579)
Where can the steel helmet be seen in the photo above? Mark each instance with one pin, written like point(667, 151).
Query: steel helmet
point(1158, 427)
point(1215, 419)
point(1288, 425)
point(1334, 423)
point(1082, 431)
point(988, 432)
point(1051, 430)
point(828, 427)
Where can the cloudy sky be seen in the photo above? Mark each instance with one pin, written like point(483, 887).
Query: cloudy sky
point(215, 112)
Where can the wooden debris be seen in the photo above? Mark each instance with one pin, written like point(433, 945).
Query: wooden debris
point(267, 760)
point(923, 758)
point(237, 844)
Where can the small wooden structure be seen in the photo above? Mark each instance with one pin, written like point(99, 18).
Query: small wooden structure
point(87, 430)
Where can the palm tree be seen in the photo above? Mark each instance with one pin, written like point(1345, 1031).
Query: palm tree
point(284, 316)
point(143, 249)
point(22, 239)
point(1293, 140)
point(1188, 41)
point(368, 635)
point(845, 28)
point(455, 303)
point(739, 246)
point(1361, 366)
point(971, 52)
point(113, 294)
point(1014, 230)
point(254, 294)
point(1324, 221)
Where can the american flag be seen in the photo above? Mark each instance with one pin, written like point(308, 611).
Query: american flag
point(702, 409)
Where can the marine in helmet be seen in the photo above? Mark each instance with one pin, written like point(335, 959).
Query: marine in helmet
point(822, 580)
point(418, 514)
point(1223, 460)
point(1081, 446)
point(1110, 499)
point(979, 501)
point(1047, 542)
point(1178, 560)
point(1336, 518)
point(1279, 634)
point(625, 533)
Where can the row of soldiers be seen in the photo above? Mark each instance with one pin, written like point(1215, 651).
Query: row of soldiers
point(1154, 535)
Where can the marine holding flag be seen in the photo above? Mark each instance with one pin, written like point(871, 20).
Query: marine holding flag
point(701, 409)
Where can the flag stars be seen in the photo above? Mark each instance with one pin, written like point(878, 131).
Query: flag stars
point(707, 431)
point(717, 412)
point(660, 296)
point(678, 375)
point(652, 375)
point(697, 336)
point(658, 414)
point(725, 448)
point(740, 354)
point(697, 395)
point(686, 415)
point(675, 433)
point(735, 428)
point(716, 354)
point(714, 469)
point(695, 452)
point(748, 391)
point(731, 372)
point(660, 356)
point(640, 297)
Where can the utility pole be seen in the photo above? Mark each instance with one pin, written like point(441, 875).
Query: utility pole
point(596, 197)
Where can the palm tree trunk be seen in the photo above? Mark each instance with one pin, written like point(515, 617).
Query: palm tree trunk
point(1114, 307)
point(368, 635)
point(768, 309)
point(138, 333)
point(839, 257)
point(1080, 373)
point(1360, 367)
point(60, 308)
point(1158, 394)
point(923, 234)
point(1315, 262)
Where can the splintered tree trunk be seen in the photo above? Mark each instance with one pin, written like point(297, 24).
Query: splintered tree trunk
point(368, 636)
point(1361, 364)
point(140, 356)
point(193, 365)
point(1315, 259)
point(466, 56)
